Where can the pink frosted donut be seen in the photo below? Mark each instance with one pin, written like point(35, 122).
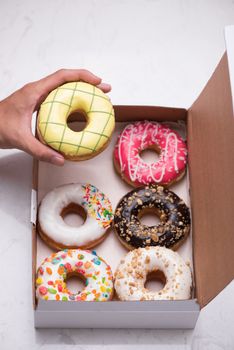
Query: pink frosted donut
point(142, 135)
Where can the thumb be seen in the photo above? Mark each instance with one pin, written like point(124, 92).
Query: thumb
point(42, 152)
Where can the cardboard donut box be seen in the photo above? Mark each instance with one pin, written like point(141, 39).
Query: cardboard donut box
point(210, 187)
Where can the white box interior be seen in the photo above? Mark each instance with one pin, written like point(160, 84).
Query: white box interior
point(100, 172)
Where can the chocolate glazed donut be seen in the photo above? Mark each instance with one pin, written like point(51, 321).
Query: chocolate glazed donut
point(171, 210)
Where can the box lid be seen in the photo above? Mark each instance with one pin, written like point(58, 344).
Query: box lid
point(211, 158)
point(229, 36)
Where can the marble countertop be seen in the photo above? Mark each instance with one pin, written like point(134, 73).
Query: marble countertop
point(152, 52)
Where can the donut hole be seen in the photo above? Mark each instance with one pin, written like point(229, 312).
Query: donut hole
point(155, 281)
point(75, 282)
point(149, 217)
point(77, 121)
point(74, 215)
point(150, 155)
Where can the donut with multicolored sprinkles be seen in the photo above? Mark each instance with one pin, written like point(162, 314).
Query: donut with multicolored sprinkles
point(84, 199)
point(55, 269)
point(173, 213)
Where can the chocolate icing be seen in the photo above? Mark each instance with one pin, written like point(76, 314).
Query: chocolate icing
point(171, 210)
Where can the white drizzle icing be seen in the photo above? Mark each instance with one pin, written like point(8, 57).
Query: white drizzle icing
point(137, 137)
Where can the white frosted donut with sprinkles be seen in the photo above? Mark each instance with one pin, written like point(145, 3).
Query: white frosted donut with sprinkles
point(54, 271)
point(140, 136)
point(84, 199)
point(131, 275)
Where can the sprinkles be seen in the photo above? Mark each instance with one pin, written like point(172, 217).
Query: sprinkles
point(97, 205)
point(85, 200)
point(51, 278)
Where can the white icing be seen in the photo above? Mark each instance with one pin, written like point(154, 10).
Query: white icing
point(96, 272)
point(175, 154)
point(132, 273)
point(53, 225)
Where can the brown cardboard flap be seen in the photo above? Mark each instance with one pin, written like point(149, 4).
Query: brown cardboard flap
point(134, 113)
point(211, 162)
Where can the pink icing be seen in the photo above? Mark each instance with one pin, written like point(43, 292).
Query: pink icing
point(142, 135)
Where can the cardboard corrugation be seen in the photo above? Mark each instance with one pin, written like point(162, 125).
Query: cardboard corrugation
point(211, 163)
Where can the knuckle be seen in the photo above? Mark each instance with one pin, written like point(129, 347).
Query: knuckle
point(41, 155)
point(62, 72)
point(27, 87)
point(41, 152)
point(30, 90)
point(38, 153)
point(84, 71)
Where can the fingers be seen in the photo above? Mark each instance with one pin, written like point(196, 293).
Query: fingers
point(45, 85)
point(104, 87)
point(63, 76)
point(41, 152)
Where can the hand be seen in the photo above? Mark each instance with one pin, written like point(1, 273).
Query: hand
point(17, 109)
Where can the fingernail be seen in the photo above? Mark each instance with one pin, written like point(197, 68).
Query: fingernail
point(57, 160)
point(105, 86)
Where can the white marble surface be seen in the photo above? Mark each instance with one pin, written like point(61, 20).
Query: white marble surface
point(152, 52)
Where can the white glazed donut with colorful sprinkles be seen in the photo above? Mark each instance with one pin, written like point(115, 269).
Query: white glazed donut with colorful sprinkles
point(131, 275)
point(144, 135)
point(53, 272)
point(97, 211)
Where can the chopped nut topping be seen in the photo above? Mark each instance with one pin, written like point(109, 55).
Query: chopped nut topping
point(160, 189)
point(119, 275)
point(138, 274)
point(139, 201)
point(133, 284)
point(147, 260)
point(154, 237)
point(174, 219)
point(145, 234)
